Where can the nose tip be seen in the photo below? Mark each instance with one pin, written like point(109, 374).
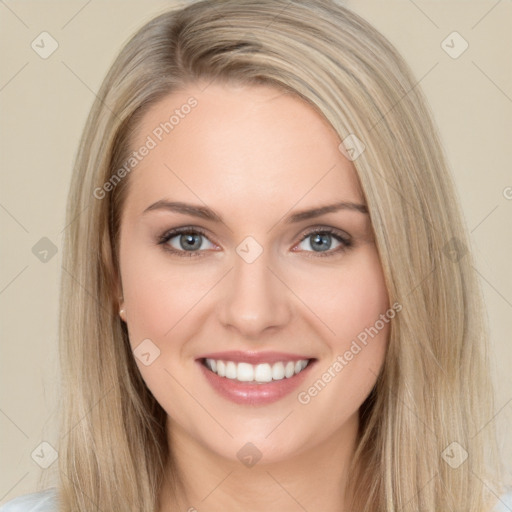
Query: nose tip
point(253, 299)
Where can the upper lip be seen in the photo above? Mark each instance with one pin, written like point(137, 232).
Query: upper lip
point(252, 357)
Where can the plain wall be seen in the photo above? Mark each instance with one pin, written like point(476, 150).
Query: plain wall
point(44, 103)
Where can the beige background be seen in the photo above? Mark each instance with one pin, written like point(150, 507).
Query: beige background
point(44, 103)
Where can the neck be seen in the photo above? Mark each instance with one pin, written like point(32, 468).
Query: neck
point(315, 479)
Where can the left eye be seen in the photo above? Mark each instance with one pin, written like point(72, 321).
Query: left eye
point(321, 241)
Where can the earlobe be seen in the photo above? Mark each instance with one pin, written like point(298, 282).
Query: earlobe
point(122, 310)
point(120, 299)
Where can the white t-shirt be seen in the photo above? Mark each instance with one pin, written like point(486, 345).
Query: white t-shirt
point(45, 501)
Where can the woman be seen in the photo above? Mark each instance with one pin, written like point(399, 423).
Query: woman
point(267, 301)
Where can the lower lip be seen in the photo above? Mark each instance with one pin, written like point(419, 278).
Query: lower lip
point(252, 393)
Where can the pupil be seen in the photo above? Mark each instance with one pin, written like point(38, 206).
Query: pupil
point(192, 241)
point(322, 239)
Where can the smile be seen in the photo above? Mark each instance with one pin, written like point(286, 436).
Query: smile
point(255, 378)
point(259, 373)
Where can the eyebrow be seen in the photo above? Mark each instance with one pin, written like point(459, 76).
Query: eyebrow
point(206, 213)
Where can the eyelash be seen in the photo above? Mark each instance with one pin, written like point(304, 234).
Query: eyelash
point(346, 243)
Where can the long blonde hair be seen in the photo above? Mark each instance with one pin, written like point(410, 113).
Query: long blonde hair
point(433, 396)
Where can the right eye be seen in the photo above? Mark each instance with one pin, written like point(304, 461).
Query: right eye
point(186, 241)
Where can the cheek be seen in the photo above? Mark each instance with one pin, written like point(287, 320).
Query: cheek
point(158, 294)
point(350, 298)
point(364, 297)
point(158, 297)
point(363, 325)
point(360, 316)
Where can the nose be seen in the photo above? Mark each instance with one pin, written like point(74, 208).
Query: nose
point(254, 298)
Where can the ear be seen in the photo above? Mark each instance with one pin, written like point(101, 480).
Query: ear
point(117, 291)
point(120, 300)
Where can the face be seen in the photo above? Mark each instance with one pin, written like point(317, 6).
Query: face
point(234, 275)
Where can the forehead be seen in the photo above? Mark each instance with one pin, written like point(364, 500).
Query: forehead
point(239, 143)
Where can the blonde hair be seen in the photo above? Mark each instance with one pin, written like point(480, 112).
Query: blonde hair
point(433, 389)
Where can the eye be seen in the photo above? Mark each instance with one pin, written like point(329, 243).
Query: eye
point(190, 242)
point(187, 241)
point(320, 240)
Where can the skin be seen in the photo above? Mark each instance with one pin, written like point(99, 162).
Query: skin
point(255, 155)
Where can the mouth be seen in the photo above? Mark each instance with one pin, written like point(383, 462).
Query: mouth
point(261, 373)
point(254, 378)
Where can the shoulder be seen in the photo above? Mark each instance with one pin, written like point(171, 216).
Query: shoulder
point(504, 504)
point(43, 501)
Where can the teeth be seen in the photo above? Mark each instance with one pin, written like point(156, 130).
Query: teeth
point(230, 370)
point(289, 369)
point(244, 372)
point(221, 368)
point(278, 371)
point(265, 372)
